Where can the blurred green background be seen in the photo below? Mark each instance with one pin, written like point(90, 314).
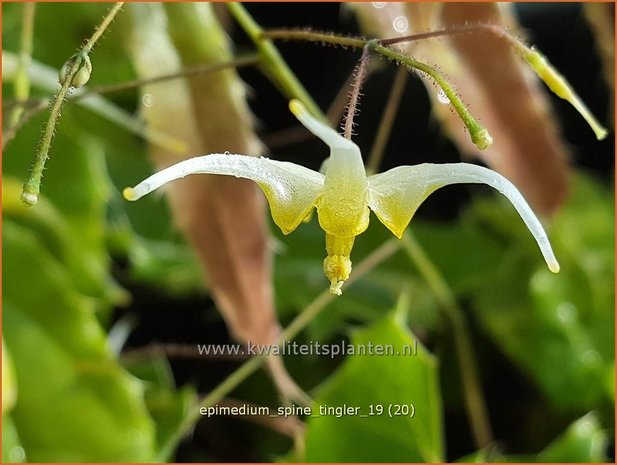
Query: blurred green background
point(87, 279)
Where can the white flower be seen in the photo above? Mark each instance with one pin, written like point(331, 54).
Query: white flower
point(344, 194)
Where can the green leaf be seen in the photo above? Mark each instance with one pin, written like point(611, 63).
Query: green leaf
point(364, 381)
point(70, 219)
point(166, 265)
point(583, 442)
point(557, 328)
point(168, 407)
point(75, 403)
point(485, 455)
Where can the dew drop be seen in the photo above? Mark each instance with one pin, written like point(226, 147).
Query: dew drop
point(17, 454)
point(147, 100)
point(379, 5)
point(400, 24)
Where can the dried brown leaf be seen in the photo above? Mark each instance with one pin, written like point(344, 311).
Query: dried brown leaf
point(223, 218)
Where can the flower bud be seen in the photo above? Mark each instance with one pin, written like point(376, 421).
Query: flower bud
point(82, 76)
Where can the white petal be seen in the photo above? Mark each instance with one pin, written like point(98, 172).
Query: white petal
point(395, 195)
point(291, 190)
point(324, 132)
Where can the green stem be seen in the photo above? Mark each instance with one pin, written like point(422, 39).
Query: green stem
point(472, 389)
point(21, 83)
point(354, 97)
point(32, 187)
point(98, 32)
point(240, 62)
point(30, 109)
point(249, 60)
point(558, 84)
point(495, 29)
point(381, 253)
point(478, 133)
point(310, 36)
point(273, 62)
point(538, 62)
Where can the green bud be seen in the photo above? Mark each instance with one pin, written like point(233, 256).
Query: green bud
point(82, 76)
point(482, 139)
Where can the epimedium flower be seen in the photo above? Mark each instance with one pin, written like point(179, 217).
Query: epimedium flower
point(343, 194)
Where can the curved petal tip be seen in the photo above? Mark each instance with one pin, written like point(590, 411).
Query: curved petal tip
point(129, 194)
point(296, 107)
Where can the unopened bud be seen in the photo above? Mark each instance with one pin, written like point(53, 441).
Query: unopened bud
point(82, 76)
point(482, 139)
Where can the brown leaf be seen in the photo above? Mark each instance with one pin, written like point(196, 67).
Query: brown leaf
point(223, 218)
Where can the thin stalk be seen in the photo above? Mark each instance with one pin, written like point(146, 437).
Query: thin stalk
point(538, 62)
point(311, 36)
point(494, 29)
point(291, 426)
point(98, 32)
point(472, 389)
point(30, 109)
point(248, 60)
point(381, 253)
point(479, 135)
point(387, 120)
point(21, 84)
point(240, 62)
point(273, 62)
point(32, 187)
point(307, 315)
point(356, 87)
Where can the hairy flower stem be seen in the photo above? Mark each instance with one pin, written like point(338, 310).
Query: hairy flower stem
point(538, 62)
point(74, 66)
point(472, 389)
point(479, 135)
point(356, 87)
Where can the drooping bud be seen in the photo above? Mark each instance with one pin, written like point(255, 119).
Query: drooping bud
point(561, 88)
